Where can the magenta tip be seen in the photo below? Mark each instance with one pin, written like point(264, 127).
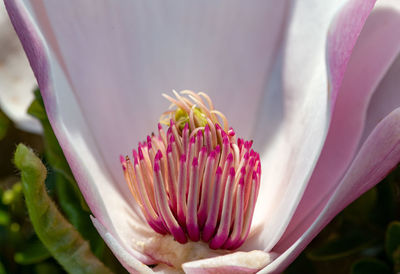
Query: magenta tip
point(171, 122)
point(212, 154)
point(195, 161)
point(241, 181)
point(252, 161)
point(121, 159)
point(230, 157)
point(243, 171)
point(169, 148)
point(158, 155)
point(186, 127)
point(225, 141)
point(156, 166)
point(183, 158)
point(254, 175)
point(217, 149)
point(246, 156)
point(171, 139)
point(207, 128)
point(232, 172)
point(219, 170)
point(192, 140)
point(159, 126)
point(140, 153)
point(149, 145)
point(203, 150)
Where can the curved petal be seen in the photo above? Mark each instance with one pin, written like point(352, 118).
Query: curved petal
point(16, 78)
point(131, 264)
point(378, 155)
point(289, 159)
point(237, 262)
point(96, 183)
point(368, 65)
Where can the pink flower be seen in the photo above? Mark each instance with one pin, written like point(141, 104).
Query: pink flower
point(313, 83)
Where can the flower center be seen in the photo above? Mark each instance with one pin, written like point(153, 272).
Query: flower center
point(196, 181)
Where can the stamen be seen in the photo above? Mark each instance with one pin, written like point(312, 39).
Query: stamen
point(194, 181)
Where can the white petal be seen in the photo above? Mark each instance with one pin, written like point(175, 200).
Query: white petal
point(16, 78)
point(292, 152)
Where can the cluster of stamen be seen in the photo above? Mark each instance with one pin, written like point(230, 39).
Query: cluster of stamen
point(196, 181)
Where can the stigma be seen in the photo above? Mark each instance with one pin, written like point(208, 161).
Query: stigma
point(195, 180)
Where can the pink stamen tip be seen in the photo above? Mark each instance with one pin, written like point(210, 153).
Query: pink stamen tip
point(232, 172)
point(217, 149)
point(186, 127)
point(243, 171)
point(156, 166)
point(246, 156)
point(149, 142)
point(195, 162)
point(141, 157)
point(254, 176)
point(219, 170)
point(252, 160)
point(171, 139)
point(169, 148)
point(241, 181)
point(192, 140)
point(122, 159)
point(183, 158)
point(158, 155)
point(239, 142)
point(171, 122)
point(207, 129)
point(212, 154)
point(225, 141)
point(203, 150)
point(230, 157)
point(159, 126)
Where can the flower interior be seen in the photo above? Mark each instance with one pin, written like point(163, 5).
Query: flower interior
point(195, 181)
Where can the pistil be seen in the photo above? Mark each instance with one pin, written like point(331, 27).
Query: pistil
point(195, 181)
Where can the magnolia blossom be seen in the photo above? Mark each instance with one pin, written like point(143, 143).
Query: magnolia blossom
point(16, 78)
point(313, 83)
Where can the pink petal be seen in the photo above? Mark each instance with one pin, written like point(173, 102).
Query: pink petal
point(72, 132)
point(16, 78)
point(378, 155)
point(238, 262)
point(131, 264)
point(293, 151)
point(368, 65)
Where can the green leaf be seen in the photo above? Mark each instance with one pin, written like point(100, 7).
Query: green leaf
point(60, 238)
point(2, 268)
point(47, 268)
point(4, 125)
point(392, 242)
point(33, 252)
point(370, 266)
